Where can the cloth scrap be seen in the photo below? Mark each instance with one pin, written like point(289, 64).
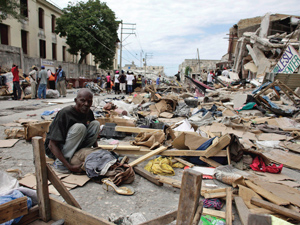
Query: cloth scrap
point(258, 164)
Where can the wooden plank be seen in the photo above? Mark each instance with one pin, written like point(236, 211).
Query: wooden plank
point(148, 155)
point(275, 208)
point(228, 155)
point(212, 212)
point(198, 214)
point(170, 152)
point(139, 129)
point(228, 206)
point(266, 194)
point(189, 196)
point(217, 147)
point(170, 181)
point(41, 178)
point(147, 175)
point(215, 195)
point(13, 209)
point(33, 214)
point(258, 219)
point(184, 162)
point(119, 147)
point(166, 219)
point(210, 162)
point(242, 209)
point(60, 187)
point(73, 215)
point(203, 190)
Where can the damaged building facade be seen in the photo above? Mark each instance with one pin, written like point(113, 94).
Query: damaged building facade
point(261, 41)
point(34, 42)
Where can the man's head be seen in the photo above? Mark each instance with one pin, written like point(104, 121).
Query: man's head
point(59, 67)
point(84, 100)
point(42, 67)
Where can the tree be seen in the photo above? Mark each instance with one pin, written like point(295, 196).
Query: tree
point(90, 27)
point(11, 8)
point(188, 70)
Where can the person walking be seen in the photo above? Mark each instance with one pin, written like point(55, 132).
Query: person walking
point(158, 81)
point(117, 83)
point(122, 79)
point(42, 83)
point(33, 81)
point(61, 82)
point(129, 80)
point(16, 83)
point(139, 81)
point(108, 84)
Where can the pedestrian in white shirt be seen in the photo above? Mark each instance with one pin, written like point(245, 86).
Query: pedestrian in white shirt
point(129, 79)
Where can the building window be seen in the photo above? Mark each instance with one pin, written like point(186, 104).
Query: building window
point(24, 41)
point(3, 34)
point(41, 18)
point(42, 49)
point(64, 53)
point(24, 8)
point(53, 51)
point(53, 21)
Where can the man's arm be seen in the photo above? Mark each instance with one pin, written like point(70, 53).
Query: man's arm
point(53, 146)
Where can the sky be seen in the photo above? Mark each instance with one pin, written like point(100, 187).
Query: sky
point(170, 31)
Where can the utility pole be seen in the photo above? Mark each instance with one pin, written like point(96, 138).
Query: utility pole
point(150, 55)
point(131, 28)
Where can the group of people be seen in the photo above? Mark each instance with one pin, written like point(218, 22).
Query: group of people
point(209, 77)
point(39, 80)
point(121, 82)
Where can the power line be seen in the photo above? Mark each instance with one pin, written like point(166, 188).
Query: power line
point(131, 53)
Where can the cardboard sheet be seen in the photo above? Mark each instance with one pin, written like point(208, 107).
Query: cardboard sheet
point(290, 194)
point(189, 141)
point(271, 137)
point(8, 143)
point(80, 180)
point(166, 115)
point(290, 160)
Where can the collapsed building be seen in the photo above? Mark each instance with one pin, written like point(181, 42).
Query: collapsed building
point(259, 42)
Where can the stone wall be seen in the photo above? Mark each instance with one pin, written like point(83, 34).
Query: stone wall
point(10, 55)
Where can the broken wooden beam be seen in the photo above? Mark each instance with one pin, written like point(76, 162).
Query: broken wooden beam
point(170, 152)
point(184, 162)
point(60, 187)
point(148, 155)
point(198, 214)
point(168, 180)
point(73, 215)
point(147, 175)
point(41, 178)
point(218, 146)
point(13, 209)
point(266, 194)
point(189, 196)
point(228, 206)
point(210, 162)
point(119, 147)
point(166, 219)
point(276, 208)
point(32, 215)
point(242, 209)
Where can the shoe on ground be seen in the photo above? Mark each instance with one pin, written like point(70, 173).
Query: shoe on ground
point(60, 168)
